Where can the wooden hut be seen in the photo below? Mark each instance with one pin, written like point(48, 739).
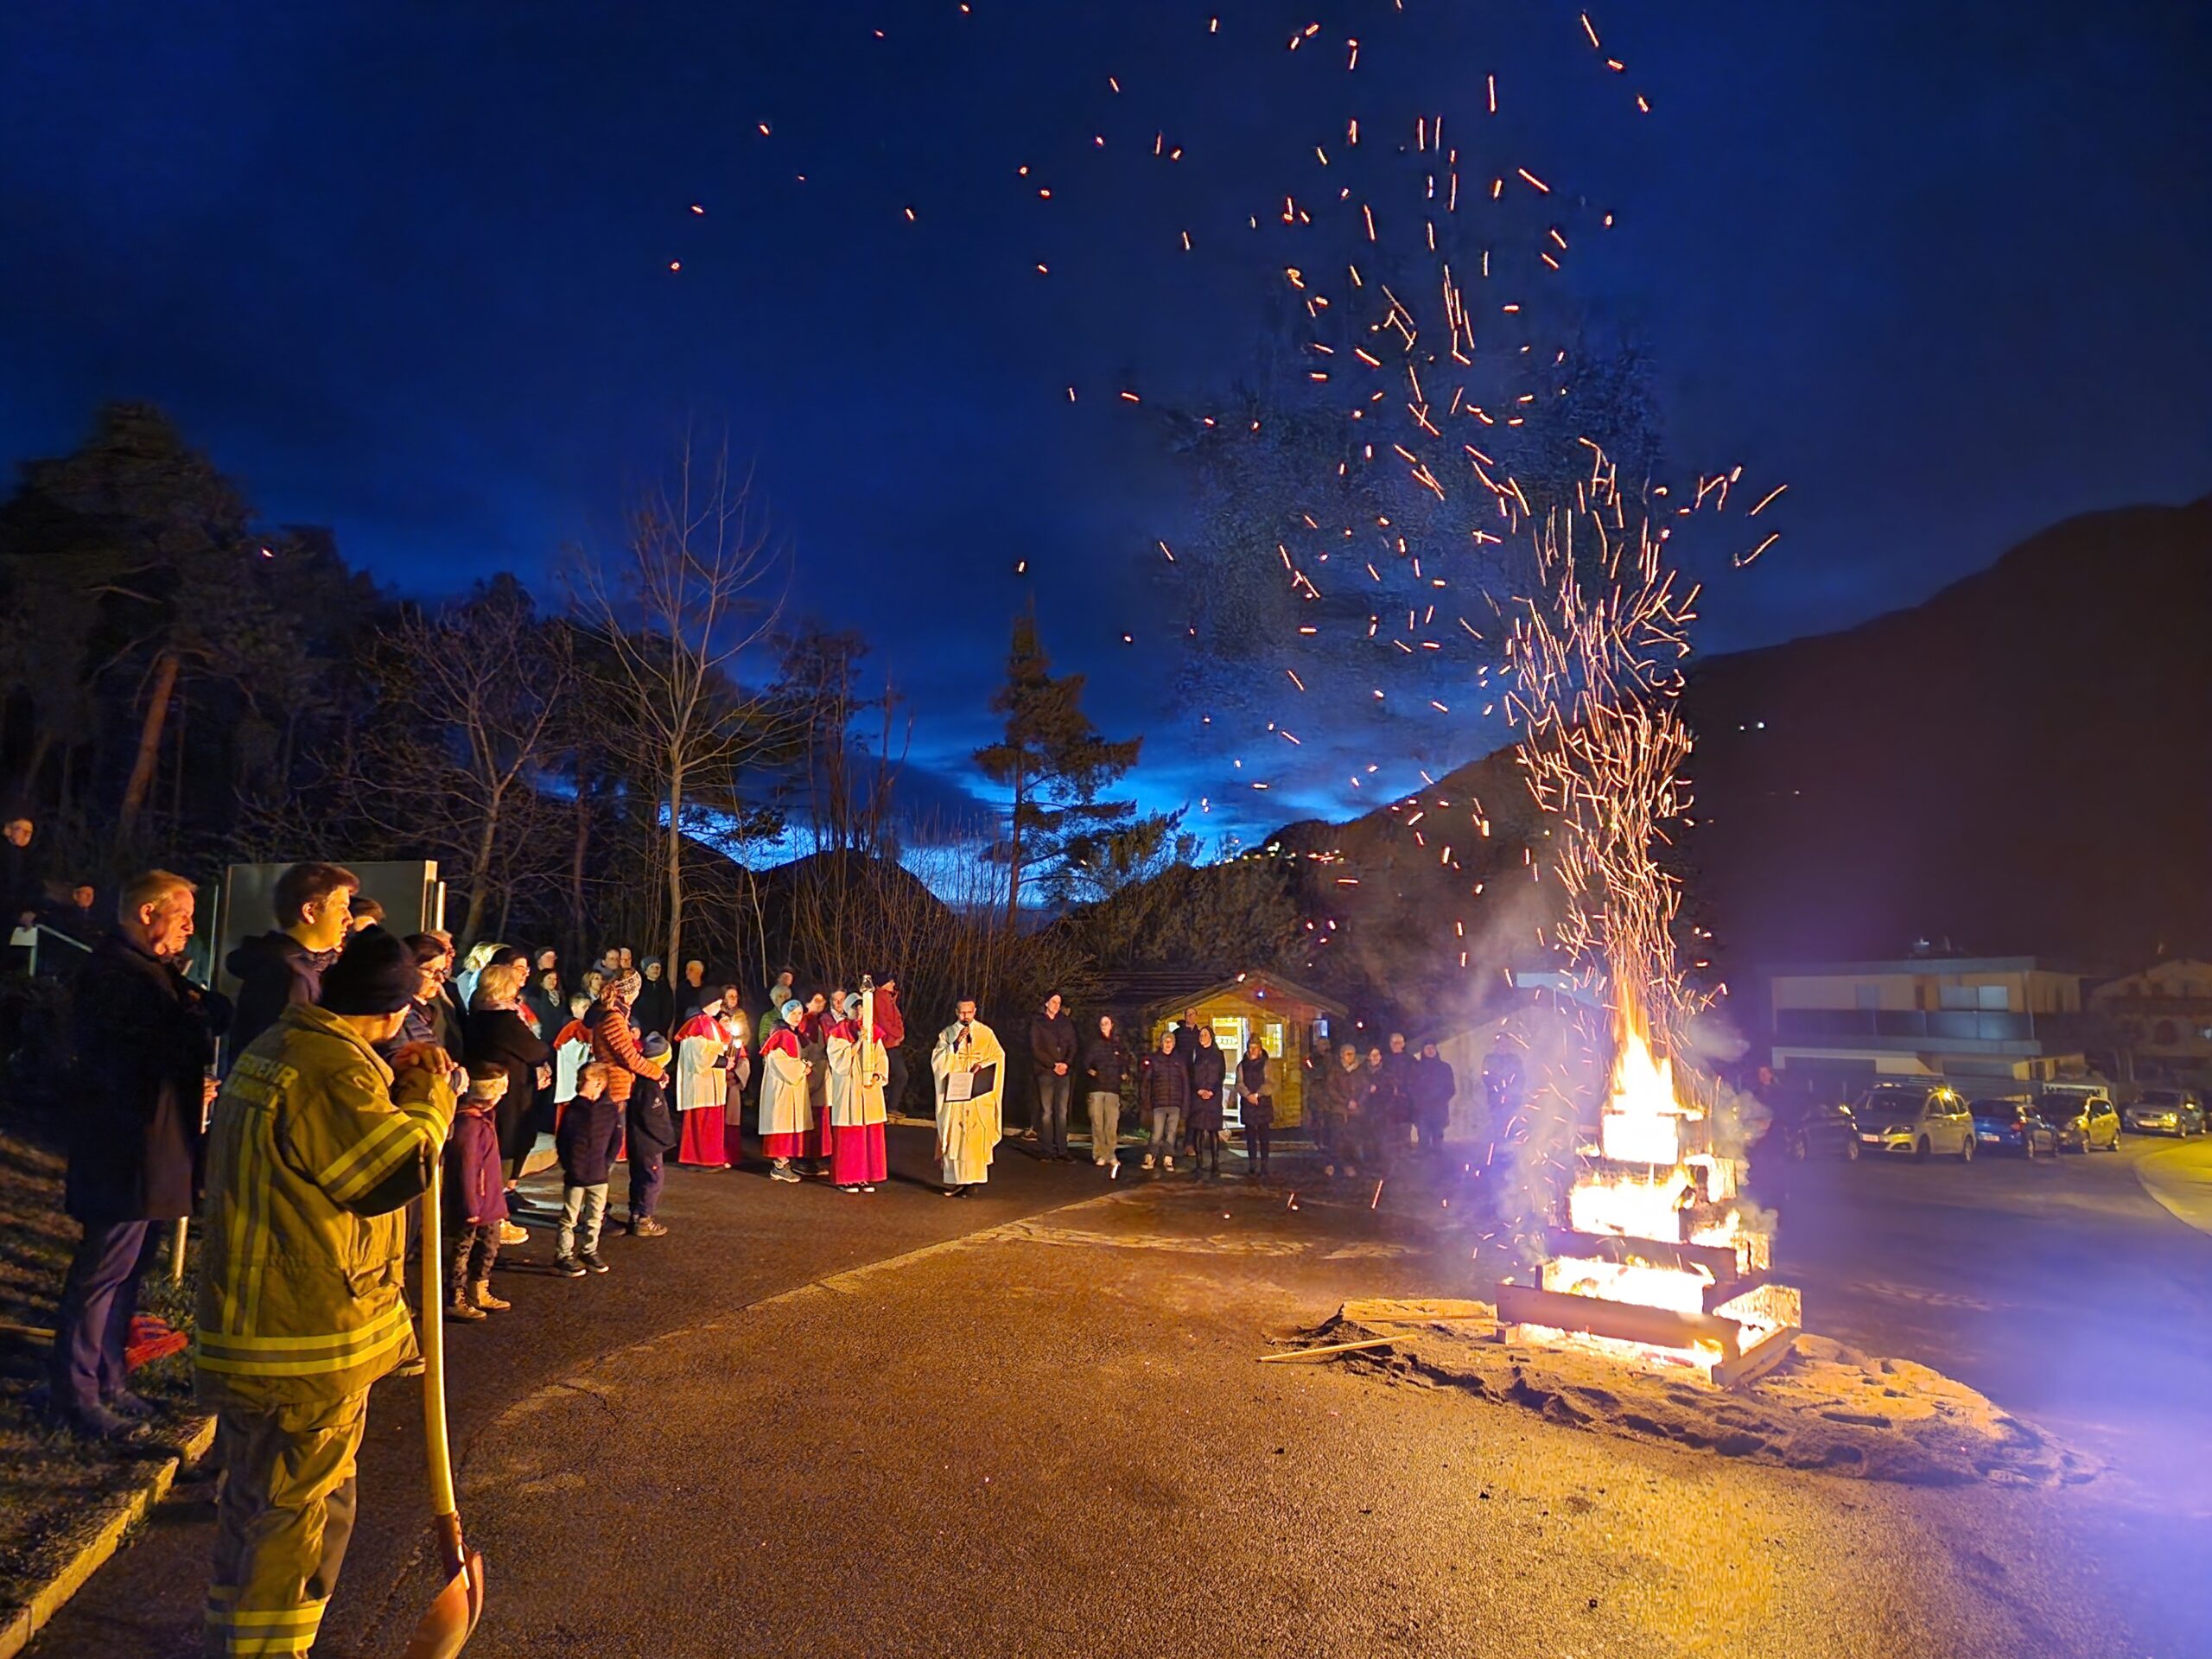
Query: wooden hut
point(1286, 1017)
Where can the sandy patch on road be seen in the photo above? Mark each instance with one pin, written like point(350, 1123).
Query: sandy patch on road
point(1827, 1408)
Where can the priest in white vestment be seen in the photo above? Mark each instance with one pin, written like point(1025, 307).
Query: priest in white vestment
point(969, 1066)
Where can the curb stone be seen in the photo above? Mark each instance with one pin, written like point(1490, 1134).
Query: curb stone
point(24, 1622)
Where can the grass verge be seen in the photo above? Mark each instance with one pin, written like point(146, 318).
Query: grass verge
point(56, 1493)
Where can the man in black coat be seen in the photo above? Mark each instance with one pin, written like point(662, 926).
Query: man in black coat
point(314, 911)
point(1051, 1051)
point(145, 1037)
point(1431, 1091)
point(1186, 1050)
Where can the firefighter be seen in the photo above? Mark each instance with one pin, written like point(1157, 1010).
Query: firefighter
point(316, 1148)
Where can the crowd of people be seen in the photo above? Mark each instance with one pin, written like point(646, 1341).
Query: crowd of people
point(301, 1122)
point(64, 914)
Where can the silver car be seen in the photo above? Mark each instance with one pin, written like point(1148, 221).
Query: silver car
point(1925, 1120)
point(2165, 1111)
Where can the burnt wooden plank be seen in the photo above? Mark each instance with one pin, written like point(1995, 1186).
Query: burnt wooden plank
point(1623, 1321)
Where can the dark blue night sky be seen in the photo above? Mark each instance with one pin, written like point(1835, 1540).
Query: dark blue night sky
point(404, 269)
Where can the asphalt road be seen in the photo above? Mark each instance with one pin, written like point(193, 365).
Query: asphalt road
point(812, 1423)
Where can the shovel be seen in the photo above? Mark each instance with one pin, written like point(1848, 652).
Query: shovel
point(444, 1629)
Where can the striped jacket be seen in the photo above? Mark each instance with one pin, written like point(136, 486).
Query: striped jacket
point(311, 1159)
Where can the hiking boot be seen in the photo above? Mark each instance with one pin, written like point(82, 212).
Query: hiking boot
point(646, 1226)
point(782, 1171)
point(590, 1259)
point(480, 1295)
point(511, 1234)
point(464, 1313)
point(569, 1268)
point(1148, 1162)
point(98, 1423)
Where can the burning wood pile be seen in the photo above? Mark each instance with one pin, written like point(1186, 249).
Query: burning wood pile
point(1663, 1262)
point(1659, 1263)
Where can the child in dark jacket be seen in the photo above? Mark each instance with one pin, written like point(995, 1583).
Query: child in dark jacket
point(591, 1133)
point(476, 1197)
point(652, 1134)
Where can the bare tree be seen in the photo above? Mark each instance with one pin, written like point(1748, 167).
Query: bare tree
point(470, 699)
point(693, 589)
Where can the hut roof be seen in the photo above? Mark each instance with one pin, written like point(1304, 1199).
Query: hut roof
point(1260, 984)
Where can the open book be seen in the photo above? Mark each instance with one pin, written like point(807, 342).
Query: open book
point(961, 1086)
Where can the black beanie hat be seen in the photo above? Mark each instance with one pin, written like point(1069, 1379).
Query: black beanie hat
point(375, 974)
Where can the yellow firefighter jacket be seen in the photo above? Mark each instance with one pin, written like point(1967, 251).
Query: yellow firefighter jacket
point(312, 1156)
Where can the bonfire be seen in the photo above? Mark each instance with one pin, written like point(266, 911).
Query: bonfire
point(1663, 1261)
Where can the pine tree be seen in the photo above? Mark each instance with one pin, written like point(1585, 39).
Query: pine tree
point(1054, 761)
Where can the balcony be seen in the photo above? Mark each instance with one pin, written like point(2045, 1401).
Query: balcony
point(1968, 1031)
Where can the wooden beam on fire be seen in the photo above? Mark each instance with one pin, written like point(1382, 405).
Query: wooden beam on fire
point(1718, 1260)
point(1756, 1360)
point(1659, 1327)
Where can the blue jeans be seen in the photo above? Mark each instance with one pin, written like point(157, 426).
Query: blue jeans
point(98, 1299)
point(645, 1178)
point(1167, 1125)
point(1052, 1115)
point(582, 1210)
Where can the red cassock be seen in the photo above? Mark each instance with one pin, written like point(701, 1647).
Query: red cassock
point(858, 1158)
point(701, 1088)
point(857, 1153)
point(705, 1144)
point(783, 1040)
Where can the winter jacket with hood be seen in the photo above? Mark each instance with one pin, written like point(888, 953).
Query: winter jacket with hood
point(589, 1138)
point(275, 971)
point(475, 1192)
point(615, 1044)
point(648, 1122)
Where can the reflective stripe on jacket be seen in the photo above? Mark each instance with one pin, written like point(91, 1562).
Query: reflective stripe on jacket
point(312, 1156)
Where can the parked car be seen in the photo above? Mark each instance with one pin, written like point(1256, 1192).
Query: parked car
point(2012, 1123)
point(2165, 1111)
point(2082, 1113)
point(1806, 1128)
point(1923, 1119)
